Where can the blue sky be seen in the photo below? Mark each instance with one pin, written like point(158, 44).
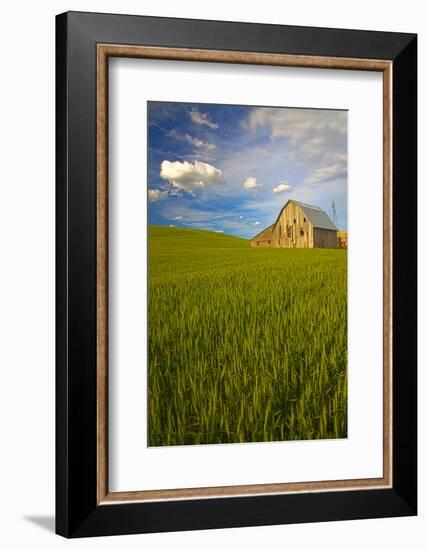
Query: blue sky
point(230, 168)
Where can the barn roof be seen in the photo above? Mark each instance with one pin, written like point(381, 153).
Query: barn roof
point(316, 216)
point(265, 230)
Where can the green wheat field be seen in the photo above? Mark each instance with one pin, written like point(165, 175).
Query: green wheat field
point(245, 344)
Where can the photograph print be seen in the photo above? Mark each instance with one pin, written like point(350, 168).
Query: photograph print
point(247, 274)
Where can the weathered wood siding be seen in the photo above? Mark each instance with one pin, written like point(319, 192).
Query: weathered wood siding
point(293, 229)
point(265, 238)
point(325, 238)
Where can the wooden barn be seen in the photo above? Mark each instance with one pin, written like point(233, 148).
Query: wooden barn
point(298, 225)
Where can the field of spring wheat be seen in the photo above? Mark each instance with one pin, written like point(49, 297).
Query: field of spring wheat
point(245, 344)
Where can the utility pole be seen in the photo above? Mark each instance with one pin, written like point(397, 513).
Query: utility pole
point(333, 209)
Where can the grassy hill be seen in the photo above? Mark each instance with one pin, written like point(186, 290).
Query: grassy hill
point(244, 344)
point(174, 236)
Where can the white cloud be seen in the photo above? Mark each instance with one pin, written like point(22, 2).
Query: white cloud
point(327, 173)
point(282, 187)
point(190, 176)
point(297, 123)
point(172, 225)
point(218, 231)
point(202, 118)
point(341, 157)
point(251, 183)
point(178, 217)
point(199, 142)
point(256, 223)
point(157, 195)
point(192, 140)
point(313, 132)
point(241, 218)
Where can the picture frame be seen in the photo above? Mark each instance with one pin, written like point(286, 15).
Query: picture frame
point(84, 44)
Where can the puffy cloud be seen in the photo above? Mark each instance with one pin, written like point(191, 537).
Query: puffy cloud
point(251, 183)
point(282, 187)
point(157, 195)
point(190, 176)
point(256, 223)
point(178, 217)
point(202, 118)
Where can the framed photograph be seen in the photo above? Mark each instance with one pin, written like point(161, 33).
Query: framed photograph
point(236, 274)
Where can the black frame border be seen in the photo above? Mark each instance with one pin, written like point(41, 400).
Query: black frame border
point(77, 512)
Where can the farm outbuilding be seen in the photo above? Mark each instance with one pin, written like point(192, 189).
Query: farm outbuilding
point(298, 225)
point(265, 237)
point(342, 239)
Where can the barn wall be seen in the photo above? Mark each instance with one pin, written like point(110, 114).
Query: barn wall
point(264, 239)
point(289, 228)
point(325, 238)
